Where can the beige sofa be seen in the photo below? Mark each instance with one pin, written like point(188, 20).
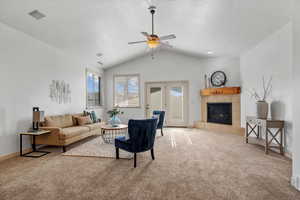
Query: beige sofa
point(65, 130)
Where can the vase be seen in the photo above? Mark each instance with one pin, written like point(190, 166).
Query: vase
point(262, 109)
point(114, 121)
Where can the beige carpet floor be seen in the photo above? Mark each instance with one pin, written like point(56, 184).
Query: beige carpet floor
point(96, 147)
point(190, 164)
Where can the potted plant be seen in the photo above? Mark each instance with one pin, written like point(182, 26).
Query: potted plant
point(113, 114)
point(262, 107)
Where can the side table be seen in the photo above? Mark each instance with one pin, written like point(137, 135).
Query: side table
point(33, 134)
point(273, 129)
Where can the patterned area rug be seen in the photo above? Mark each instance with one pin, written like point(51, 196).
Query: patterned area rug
point(96, 147)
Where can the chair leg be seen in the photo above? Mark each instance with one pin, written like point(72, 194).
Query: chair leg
point(64, 148)
point(117, 153)
point(134, 160)
point(162, 133)
point(152, 154)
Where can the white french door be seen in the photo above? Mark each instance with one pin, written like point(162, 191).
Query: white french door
point(171, 97)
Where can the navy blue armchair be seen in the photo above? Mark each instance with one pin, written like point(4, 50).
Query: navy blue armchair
point(141, 137)
point(161, 120)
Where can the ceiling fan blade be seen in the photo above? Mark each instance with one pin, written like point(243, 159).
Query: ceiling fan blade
point(137, 42)
point(166, 44)
point(167, 37)
point(145, 34)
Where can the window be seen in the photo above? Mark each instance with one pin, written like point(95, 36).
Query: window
point(93, 89)
point(127, 91)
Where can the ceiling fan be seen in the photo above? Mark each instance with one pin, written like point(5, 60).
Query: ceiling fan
point(154, 40)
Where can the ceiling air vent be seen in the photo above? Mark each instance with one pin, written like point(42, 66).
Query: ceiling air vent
point(37, 14)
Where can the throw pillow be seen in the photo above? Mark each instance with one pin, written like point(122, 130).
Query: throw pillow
point(94, 117)
point(84, 120)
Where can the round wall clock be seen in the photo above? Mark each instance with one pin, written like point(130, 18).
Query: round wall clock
point(218, 79)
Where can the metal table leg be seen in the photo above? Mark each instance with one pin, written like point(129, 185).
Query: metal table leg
point(34, 149)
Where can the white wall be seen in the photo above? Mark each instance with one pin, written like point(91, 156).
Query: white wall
point(166, 66)
point(27, 67)
point(231, 67)
point(296, 96)
point(271, 57)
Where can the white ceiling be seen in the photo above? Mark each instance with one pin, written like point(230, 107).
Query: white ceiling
point(86, 27)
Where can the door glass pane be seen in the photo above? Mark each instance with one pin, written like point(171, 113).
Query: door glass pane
point(155, 99)
point(176, 103)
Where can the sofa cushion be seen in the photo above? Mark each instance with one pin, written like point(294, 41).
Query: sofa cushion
point(73, 131)
point(94, 126)
point(61, 121)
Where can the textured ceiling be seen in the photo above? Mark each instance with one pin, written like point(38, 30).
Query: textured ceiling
point(85, 27)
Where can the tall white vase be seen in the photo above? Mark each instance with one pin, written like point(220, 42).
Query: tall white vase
point(262, 109)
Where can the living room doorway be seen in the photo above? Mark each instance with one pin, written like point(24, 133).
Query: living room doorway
point(170, 96)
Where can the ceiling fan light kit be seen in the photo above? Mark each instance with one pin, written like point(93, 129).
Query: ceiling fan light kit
point(153, 42)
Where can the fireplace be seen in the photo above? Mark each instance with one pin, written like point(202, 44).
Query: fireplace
point(221, 110)
point(220, 113)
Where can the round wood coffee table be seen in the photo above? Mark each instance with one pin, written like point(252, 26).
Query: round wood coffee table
point(109, 133)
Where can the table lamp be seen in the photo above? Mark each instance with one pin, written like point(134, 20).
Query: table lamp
point(37, 117)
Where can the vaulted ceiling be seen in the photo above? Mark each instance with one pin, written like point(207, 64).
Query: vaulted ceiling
point(84, 28)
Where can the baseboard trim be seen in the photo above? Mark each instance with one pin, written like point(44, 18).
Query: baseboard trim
point(295, 181)
point(15, 154)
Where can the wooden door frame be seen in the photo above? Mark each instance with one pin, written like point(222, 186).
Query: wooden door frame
point(170, 82)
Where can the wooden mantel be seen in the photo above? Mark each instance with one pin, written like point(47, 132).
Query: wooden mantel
point(220, 91)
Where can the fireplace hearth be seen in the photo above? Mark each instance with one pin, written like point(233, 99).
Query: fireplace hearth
point(220, 113)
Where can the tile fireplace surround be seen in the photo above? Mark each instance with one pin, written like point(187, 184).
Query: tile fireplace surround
point(235, 99)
